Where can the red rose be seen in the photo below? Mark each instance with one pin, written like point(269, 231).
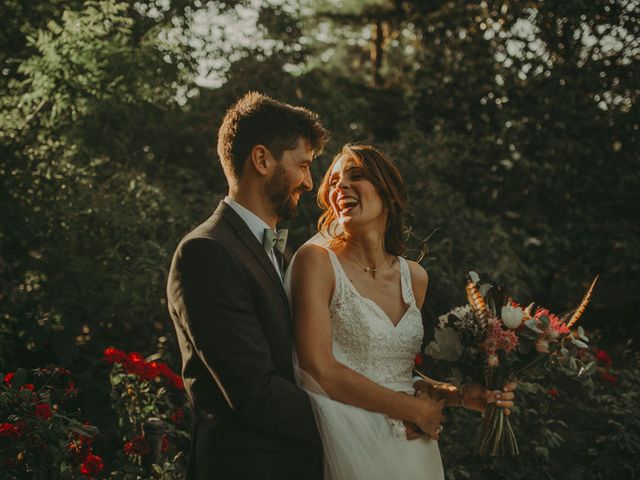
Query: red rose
point(150, 370)
point(134, 363)
point(43, 411)
point(603, 358)
point(8, 377)
point(9, 431)
point(137, 446)
point(165, 443)
point(553, 392)
point(607, 377)
point(164, 370)
point(113, 355)
point(418, 360)
point(91, 466)
point(177, 416)
point(176, 381)
point(70, 391)
point(27, 386)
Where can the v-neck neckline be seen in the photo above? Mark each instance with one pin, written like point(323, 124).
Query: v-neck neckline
point(411, 304)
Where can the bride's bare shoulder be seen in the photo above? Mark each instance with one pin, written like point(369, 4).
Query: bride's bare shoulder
point(312, 272)
point(314, 258)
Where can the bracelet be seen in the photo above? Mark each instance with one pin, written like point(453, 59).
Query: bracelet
point(461, 395)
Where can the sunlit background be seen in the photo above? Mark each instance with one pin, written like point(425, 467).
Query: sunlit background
point(514, 123)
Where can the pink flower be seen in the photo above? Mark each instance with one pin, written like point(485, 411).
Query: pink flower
point(558, 325)
point(92, 465)
point(499, 338)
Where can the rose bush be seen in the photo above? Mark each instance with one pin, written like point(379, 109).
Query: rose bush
point(41, 436)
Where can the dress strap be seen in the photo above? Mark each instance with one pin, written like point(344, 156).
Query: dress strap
point(405, 282)
point(338, 272)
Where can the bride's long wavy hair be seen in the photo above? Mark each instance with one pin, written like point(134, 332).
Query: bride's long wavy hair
point(388, 182)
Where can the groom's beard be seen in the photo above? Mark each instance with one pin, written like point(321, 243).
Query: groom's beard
point(282, 198)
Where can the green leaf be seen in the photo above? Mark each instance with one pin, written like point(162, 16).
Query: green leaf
point(579, 343)
point(445, 346)
point(531, 323)
point(19, 378)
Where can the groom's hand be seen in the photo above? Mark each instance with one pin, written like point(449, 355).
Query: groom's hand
point(431, 415)
point(413, 432)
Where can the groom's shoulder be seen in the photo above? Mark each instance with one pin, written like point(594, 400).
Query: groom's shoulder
point(212, 237)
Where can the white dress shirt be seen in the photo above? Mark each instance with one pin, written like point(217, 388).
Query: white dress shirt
point(256, 225)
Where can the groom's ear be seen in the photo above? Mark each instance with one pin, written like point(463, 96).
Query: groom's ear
point(261, 159)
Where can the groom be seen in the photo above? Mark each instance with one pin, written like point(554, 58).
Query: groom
point(229, 308)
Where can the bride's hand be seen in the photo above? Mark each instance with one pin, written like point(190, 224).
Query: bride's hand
point(430, 417)
point(476, 397)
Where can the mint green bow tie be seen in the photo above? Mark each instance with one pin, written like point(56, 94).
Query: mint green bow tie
point(272, 239)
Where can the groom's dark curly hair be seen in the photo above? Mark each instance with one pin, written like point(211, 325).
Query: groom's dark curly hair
point(256, 119)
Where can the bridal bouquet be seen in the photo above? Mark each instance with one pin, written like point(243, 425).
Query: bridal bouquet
point(493, 340)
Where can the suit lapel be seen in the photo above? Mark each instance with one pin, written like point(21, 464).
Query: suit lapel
point(251, 242)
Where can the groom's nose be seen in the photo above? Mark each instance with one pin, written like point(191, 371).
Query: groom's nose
point(307, 181)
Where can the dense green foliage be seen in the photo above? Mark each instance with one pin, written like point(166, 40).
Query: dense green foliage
point(515, 124)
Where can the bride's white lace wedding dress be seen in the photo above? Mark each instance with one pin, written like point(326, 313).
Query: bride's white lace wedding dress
point(359, 444)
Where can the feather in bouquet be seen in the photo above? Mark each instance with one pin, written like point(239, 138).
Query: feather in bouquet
point(493, 340)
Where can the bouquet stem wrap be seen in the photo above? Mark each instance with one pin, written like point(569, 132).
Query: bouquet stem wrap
point(495, 436)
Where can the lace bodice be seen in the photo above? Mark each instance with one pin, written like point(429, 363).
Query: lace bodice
point(365, 339)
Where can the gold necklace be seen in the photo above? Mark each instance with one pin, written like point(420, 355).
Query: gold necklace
point(373, 269)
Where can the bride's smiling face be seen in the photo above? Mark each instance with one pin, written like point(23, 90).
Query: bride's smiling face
point(352, 196)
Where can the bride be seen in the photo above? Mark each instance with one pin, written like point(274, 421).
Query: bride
point(356, 306)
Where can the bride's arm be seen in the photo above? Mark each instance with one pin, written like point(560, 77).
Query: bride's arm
point(312, 284)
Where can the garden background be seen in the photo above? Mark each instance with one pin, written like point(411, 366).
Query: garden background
point(514, 122)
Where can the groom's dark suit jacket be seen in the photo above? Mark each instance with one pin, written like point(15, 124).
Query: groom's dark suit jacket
point(234, 328)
